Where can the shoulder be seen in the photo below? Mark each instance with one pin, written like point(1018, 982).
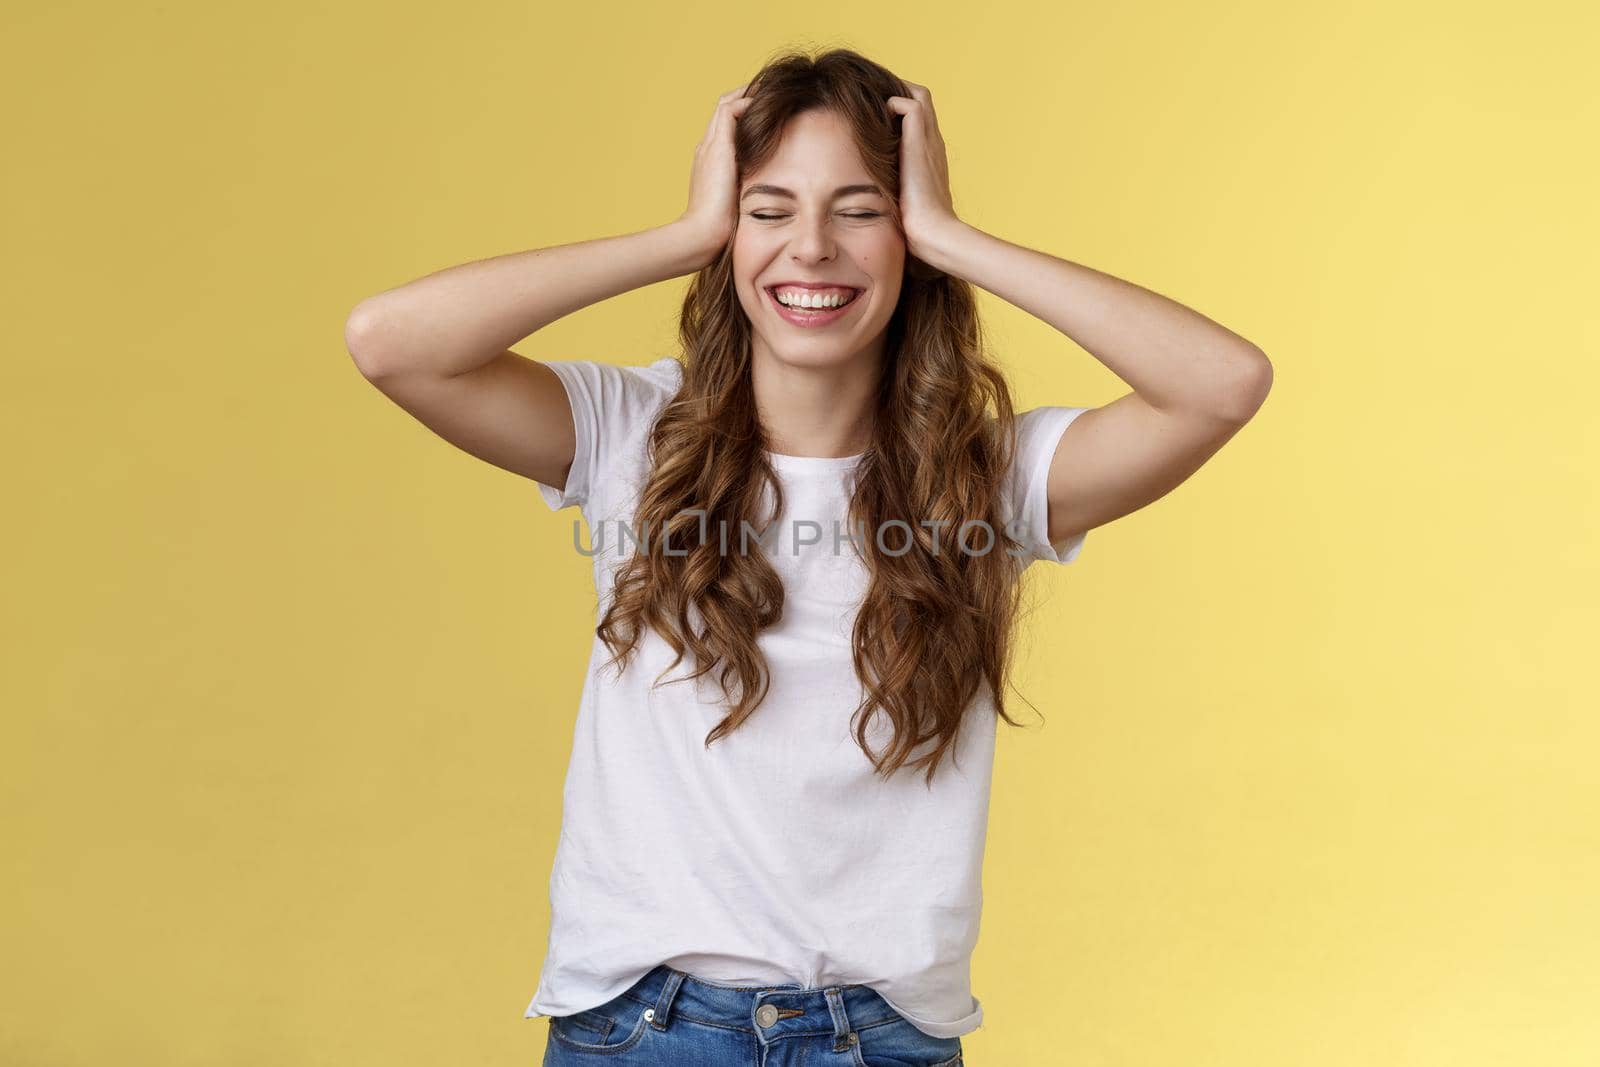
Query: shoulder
point(1036, 433)
point(614, 408)
point(662, 377)
point(610, 387)
point(615, 404)
point(1025, 488)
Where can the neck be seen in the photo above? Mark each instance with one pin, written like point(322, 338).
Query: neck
point(824, 410)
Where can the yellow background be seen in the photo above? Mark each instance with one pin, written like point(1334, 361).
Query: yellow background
point(290, 682)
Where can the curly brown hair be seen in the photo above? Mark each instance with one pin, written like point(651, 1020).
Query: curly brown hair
point(933, 625)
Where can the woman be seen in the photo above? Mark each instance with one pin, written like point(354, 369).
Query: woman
point(774, 813)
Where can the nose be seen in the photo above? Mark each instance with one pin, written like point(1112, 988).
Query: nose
point(812, 241)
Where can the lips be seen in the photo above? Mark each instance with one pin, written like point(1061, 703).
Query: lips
point(813, 319)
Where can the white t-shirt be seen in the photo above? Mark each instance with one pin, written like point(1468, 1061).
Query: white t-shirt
point(777, 855)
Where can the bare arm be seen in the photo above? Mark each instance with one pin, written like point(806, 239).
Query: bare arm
point(1195, 382)
point(439, 347)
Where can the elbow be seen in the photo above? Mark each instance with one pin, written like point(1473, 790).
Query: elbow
point(1242, 387)
point(361, 339)
point(1252, 381)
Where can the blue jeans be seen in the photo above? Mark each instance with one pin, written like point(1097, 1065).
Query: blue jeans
point(669, 1017)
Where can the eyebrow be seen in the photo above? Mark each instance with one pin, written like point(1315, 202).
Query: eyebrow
point(843, 190)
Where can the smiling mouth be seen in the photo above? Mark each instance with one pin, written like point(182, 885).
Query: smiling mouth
point(807, 314)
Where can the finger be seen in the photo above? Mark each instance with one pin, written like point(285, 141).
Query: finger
point(717, 112)
point(924, 96)
point(910, 112)
point(727, 115)
point(730, 105)
point(722, 101)
point(911, 136)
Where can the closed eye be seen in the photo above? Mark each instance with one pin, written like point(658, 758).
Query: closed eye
point(848, 215)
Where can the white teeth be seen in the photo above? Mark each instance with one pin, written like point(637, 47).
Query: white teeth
point(812, 300)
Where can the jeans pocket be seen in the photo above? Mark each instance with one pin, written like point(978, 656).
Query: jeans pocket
point(898, 1043)
point(614, 1027)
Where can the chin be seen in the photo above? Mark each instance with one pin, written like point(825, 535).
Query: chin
point(814, 356)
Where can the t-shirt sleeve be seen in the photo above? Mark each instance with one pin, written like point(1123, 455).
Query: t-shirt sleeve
point(612, 409)
point(1038, 433)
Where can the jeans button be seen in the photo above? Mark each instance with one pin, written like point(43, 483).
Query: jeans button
point(766, 1015)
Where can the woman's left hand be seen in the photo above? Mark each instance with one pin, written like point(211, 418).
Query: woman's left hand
point(925, 203)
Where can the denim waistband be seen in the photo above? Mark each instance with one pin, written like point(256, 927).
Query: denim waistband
point(769, 1011)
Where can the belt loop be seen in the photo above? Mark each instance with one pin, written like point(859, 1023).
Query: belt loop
point(669, 992)
point(843, 1035)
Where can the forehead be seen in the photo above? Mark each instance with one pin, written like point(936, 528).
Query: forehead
point(816, 155)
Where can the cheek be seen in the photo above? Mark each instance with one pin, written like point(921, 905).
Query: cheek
point(748, 256)
point(886, 251)
point(743, 272)
point(883, 262)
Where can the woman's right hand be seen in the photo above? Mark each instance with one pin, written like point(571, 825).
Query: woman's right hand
point(713, 209)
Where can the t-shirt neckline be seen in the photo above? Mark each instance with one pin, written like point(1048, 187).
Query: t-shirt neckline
point(780, 461)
